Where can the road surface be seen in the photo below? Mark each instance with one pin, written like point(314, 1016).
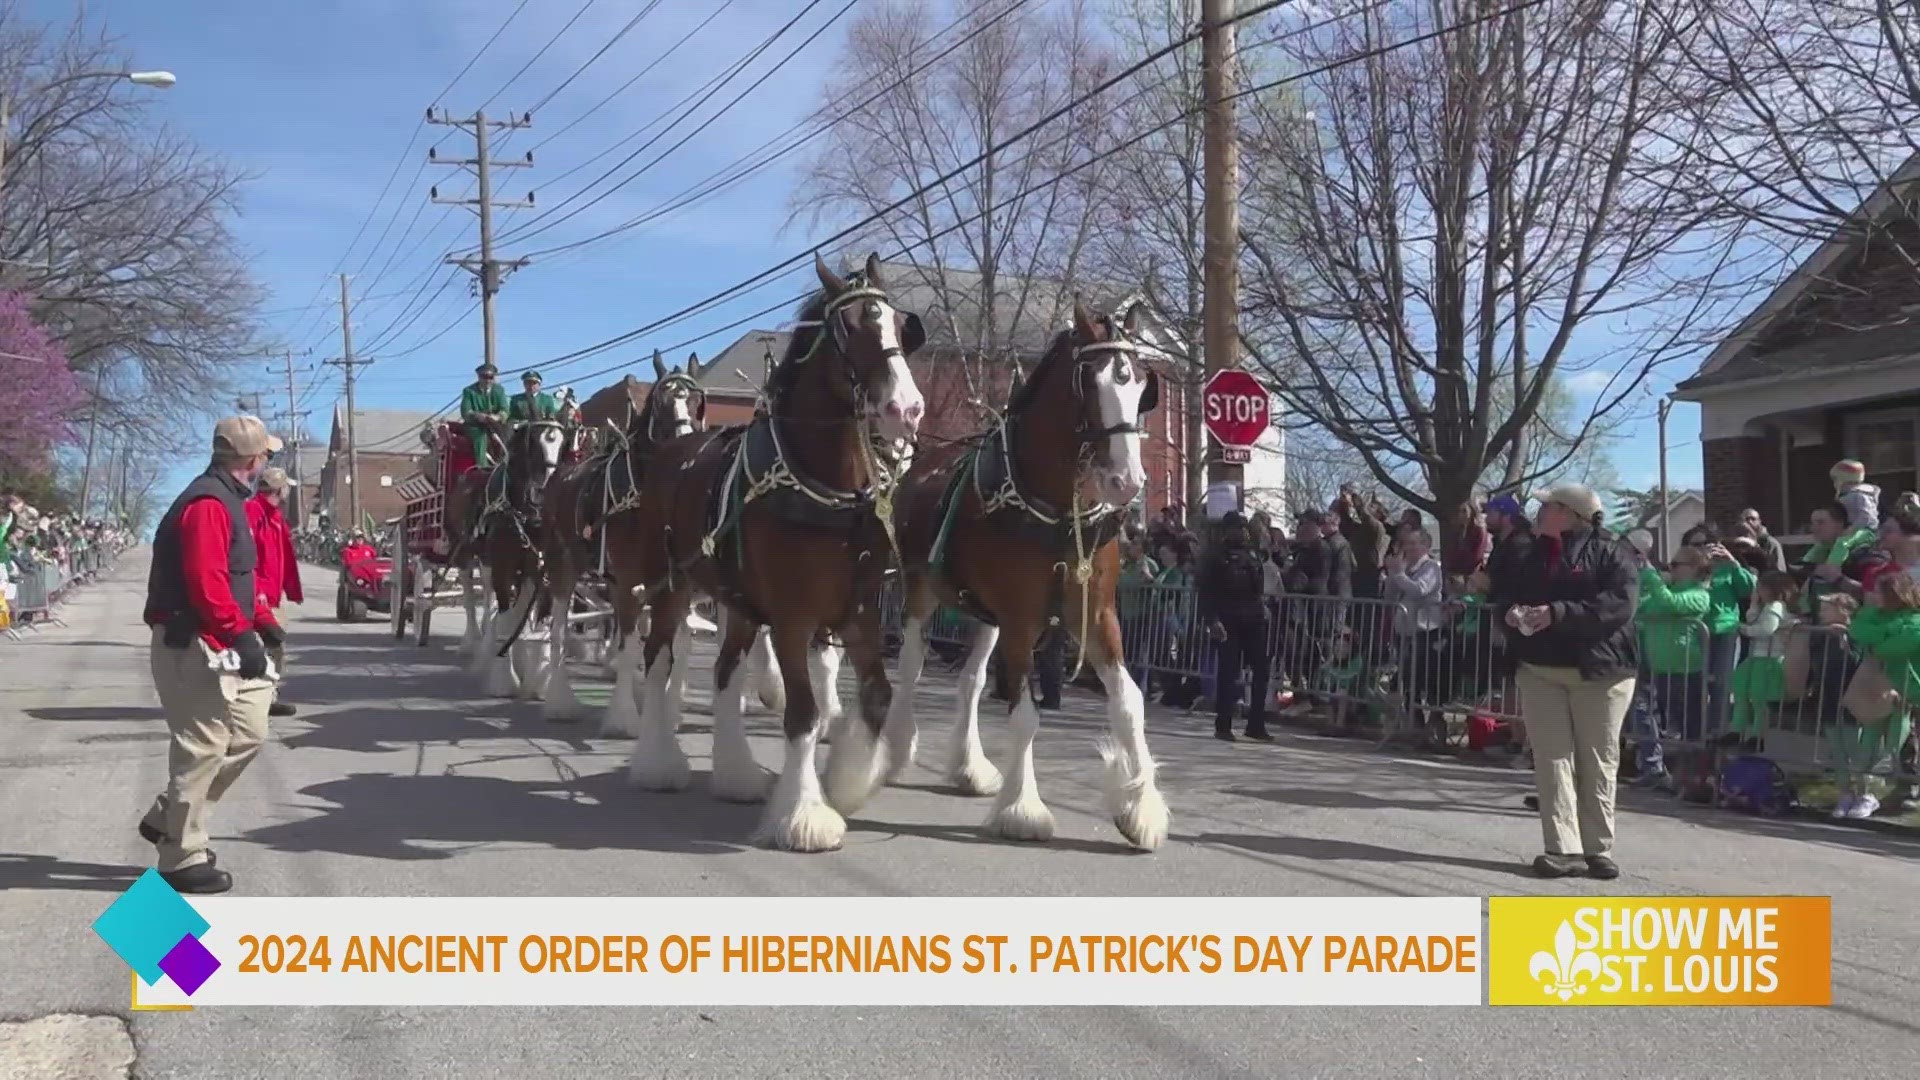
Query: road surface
point(398, 779)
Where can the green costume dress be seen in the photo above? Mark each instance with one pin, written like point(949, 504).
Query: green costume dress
point(477, 401)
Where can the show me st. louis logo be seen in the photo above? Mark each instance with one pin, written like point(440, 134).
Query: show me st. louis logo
point(1568, 970)
point(157, 933)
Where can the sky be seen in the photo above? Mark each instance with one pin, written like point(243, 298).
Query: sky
point(322, 104)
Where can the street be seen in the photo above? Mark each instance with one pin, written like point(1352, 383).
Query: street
point(398, 779)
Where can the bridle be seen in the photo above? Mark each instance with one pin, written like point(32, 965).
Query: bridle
point(857, 291)
point(656, 404)
point(1084, 365)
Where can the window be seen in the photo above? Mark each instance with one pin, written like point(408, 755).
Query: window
point(1886, 443)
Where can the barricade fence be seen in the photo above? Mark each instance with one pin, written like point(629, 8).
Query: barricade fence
point(1434, 672)
point(39, 586)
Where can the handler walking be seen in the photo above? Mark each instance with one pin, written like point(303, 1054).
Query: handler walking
point(210, 665)
point(278, 575)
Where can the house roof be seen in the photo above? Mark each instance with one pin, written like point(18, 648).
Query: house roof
point(1675, 500)
point(388, 431)
point(748, 356)
point(1739, 358)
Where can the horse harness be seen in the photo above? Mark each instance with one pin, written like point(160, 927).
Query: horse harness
point(614, 471)
point(990, 470)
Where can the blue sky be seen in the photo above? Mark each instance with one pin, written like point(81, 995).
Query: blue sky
point(320, 101)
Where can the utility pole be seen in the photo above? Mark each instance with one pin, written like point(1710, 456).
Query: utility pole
point(347, 363)
point(93, 430)
point(1666, 501)
point(294, 415)
point(489, 271)
point(249, 404)
point(1220, 306)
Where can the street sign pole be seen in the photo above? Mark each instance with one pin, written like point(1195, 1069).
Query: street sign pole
point(1237, 412)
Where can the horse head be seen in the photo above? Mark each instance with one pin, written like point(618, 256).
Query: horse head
point(872, 340)
point(1104, 392)
point(676, 405)
point(537, 450)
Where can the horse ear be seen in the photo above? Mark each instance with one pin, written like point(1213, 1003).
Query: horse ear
point(913, 333)
point(1132, 323)
point(1083, 327)
point(873, 271)
point(659, 367)
point(693, 363)
point(1150, 396)
point(829, 280)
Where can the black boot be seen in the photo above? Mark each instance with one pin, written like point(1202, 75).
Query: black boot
point(1257, 728)
point(201, 878)
point(280, 708)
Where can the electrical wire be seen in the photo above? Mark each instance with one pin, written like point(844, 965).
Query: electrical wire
point(611, 42)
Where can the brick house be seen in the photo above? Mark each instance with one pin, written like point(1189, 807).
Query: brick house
point(390, 451)
point(1828, 367)
point(1027, 317)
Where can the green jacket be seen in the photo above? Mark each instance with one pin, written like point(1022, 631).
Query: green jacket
point(1839, 551)
point(524, 407)
point(1134, 575)
point(1729, 589)
point(1893, 637)
point(1672, 628)
point(480, 400)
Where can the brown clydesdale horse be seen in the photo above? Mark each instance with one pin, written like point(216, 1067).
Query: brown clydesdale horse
point(583, 498)
point(1020, 529)
point(781, 522)
point(507, 539)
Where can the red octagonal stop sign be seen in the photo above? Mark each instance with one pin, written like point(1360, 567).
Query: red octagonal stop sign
point(1237, 410)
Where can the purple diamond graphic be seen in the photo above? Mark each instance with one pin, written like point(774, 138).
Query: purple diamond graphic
point(189, 964)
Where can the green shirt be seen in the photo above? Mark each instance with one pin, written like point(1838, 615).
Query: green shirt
point(1729, 588)
point(483, 399)
point(538, 406)
point(1892, 637)
point(1672, 623)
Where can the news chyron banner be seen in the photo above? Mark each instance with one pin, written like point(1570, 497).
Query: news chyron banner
point(952, 951)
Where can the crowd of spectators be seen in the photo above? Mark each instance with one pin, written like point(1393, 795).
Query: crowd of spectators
point(51, 549)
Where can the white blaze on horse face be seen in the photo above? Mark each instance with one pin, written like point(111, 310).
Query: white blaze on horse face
point(1117, 388)
point(895, 394)
point(681, 403)
point(551, 442)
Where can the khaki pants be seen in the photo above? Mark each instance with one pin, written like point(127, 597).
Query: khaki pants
point(218, 722)
point(1573, 729)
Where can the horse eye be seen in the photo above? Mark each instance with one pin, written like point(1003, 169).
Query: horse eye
point(1122, 372)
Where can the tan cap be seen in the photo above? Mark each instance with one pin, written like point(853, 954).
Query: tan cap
point(275, 478)
point(1578, 498)
point(244, 435)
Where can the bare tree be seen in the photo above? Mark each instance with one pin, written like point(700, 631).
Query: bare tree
point(118, 229)
point(1816, 107)
point(1479, 184)
point(997, 247)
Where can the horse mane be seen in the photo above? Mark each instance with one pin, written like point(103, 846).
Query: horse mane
point(1023, 394)
point(801, 342)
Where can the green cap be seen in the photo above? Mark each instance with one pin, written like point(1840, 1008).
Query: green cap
point(531, 376)
point(486, 369)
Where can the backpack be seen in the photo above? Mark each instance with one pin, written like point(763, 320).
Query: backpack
point(1756, 783)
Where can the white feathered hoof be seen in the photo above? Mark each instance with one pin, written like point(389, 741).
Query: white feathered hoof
point(1134, 802)
point(856, 768)
point(560, 705)
point(975, 776)
point(622, 718)
point(741, 782)
point(903, 744)
point(470, 640)
point(501, 680)
point(530, 664)
point(809, 826)
point(1026, 819)
point(659, 772)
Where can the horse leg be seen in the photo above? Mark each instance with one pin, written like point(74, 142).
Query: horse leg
point(560, 703)
point(677, 678)
point(823, 667)
point(622, 719)
point(658, 763)
point(503, 679)
point(530, 651)
point(1133, 799)
point(901, 734)
point(483, 653)
point(736, 776)
point(768, 685)
point(797, 818)
point(858, 764)
point(967, 764)
point(469, 599)
point(1018, 813)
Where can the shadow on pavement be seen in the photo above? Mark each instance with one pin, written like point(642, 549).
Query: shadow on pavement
point(22, 871)
point(1338, 799)
point(386, 728)
point(436, 817)
point(1304, 847)
point(1866, 840)
point(97, 712)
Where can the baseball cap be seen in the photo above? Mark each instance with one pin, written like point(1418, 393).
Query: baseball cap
point(245, 435)
point(275, 478)
point(1504, 504)
point(1578, 498)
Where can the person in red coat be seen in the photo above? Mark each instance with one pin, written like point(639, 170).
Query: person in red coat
point(357, 549)
point(278, 575)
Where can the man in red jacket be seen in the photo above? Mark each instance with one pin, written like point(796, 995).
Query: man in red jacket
point(209, 657)
point(278, 576)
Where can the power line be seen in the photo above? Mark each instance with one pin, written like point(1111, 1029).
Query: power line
point(704, 94)
point(622, 88)
point(536, 56)
point(611, 42)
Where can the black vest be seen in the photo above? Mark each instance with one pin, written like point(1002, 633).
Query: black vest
point(166, 578)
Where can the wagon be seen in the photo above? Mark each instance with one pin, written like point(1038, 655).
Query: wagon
point(422, 542)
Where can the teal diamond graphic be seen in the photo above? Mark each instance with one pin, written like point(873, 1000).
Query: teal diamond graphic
point(146, 923)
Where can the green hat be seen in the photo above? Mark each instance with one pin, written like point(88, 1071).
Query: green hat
point(531, 376)
point(486, 369)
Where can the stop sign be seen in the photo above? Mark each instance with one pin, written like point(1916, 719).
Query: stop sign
point(1237, 409)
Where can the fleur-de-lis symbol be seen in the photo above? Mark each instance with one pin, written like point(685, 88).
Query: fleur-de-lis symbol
point(1560, 972)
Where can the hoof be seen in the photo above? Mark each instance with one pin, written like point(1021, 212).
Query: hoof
point(1028, 820)
point(976, 778)
point(660, 774)
point(809, 828)
point(1134, 802)
point(744, 785)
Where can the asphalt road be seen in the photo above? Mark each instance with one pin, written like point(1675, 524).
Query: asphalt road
point(397, 778)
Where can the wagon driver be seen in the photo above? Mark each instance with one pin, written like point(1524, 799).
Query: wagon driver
point(483, 409)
